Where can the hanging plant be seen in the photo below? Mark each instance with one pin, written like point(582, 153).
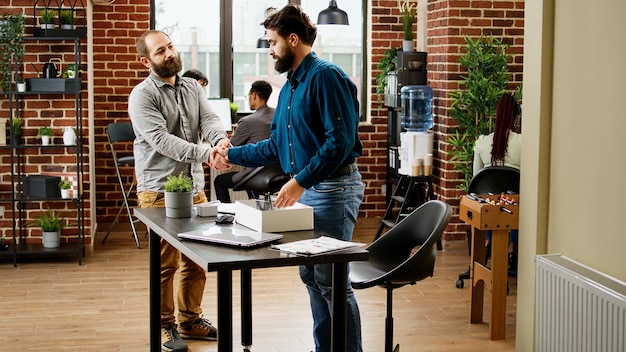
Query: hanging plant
point(11, 48)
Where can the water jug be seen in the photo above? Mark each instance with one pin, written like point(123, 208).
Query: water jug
point(416, 113)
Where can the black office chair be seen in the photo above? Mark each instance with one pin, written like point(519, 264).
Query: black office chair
point(492, 179)
point(402, 256)
point(118, 133)
point(263, 180)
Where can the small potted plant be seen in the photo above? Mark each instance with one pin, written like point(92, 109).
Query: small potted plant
point(16, 130)
point(64, 186)
point(408, 13)
point(45, 133)
point(66, 19)
point(178, 196)
point(47, 18)
point(70, 71)
point(51, 224)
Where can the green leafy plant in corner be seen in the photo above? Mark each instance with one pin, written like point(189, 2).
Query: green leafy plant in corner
point(11, 47)
point(386, 65)
point(65, 184)
point(47, 16)
point(44, 131)
point(49, 221)
point(180, 183)
point(474, 104)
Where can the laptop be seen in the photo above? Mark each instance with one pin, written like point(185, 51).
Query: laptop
point(236, 236)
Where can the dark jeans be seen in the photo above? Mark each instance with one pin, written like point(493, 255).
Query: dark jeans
point(223, 183)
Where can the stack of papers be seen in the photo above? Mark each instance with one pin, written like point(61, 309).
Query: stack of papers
point(315, 246)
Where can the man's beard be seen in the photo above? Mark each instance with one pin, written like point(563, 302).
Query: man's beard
point(169, 68)
point(284, 62)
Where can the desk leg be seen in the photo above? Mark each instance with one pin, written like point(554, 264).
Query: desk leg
point(499, 270)
point(339, 313)
point(225, 311)
point(246, 308)
point(155, 291)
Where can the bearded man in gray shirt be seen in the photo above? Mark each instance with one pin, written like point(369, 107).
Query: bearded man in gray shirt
point(167, 111)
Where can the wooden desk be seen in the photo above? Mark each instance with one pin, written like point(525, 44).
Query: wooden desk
point(482, 217)
point(224, 260)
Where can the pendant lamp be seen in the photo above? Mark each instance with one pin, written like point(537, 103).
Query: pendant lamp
point(262, 42)
point(333, 15)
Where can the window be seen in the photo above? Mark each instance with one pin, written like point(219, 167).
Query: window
point(223, 43)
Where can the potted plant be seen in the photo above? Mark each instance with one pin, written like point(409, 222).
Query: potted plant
point(16, 130)
point(47, 18)
point(70, 71)
point(66, 19)
point(474, 105)
point(51, 224)
point(45, 133)
point(387, 64)
point(64, 186)
point(408, 13)
point(11, 47)
point(178, 196)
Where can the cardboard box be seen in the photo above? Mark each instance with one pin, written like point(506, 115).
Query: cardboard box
point(39, 186)
point(257, 216)
point(207, 209)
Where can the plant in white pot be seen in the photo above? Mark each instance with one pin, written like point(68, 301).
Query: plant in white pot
point(408, 14)
point(178, 196)
point(66, 19)
point(47, 18)
point(65, 186)
point(51, 224)
point(45, 133)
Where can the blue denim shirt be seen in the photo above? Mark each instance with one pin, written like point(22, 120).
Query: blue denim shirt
point(315, 126)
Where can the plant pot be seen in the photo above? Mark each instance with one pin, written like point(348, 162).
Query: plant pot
point(407, 45)
point(47, 26)
point(51, 239)
point(21, 87)
point(45, 140)
point(178, 204)
point(67, 26)
point(65, 193)
point(16, 140)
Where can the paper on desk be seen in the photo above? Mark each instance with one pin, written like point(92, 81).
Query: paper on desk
point(315, 246)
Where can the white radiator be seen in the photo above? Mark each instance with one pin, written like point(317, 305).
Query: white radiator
point(579, 309)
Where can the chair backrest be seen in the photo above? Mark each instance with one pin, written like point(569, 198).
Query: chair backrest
point(396, 251)
point(263, 179)
point(120, 132)
point(495, 179)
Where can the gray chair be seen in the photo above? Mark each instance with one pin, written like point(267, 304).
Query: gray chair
point(118, 134)
point(402, 256)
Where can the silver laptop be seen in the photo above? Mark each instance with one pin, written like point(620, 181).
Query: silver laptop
point(232, 236)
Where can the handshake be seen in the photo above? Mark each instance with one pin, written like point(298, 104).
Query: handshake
point(218, 158)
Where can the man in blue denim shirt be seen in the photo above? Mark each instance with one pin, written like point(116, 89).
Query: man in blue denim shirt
point(314, 135)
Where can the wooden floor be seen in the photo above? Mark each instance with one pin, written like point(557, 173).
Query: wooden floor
point(57, 305)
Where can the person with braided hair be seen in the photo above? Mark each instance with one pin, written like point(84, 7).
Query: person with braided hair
point(501, 147)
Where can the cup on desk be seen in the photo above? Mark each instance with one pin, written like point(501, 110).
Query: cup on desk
point(428, 164)
point(416, 166)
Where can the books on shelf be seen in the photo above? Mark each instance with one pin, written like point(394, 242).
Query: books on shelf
point(316, 246)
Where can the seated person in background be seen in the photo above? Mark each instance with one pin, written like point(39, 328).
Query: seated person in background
point(501, 147)
point(198, 76)
point(250, 129)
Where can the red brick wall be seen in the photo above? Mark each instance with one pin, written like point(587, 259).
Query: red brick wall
point(117, 70)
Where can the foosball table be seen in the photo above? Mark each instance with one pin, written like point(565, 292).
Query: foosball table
point(500, 214)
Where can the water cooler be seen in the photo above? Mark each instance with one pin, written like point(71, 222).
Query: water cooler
point(416, 119)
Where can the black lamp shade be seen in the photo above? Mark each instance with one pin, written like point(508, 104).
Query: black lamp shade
point(262, 43)
point(333, 15)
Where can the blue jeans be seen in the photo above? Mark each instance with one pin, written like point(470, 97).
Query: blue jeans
point(335, 203)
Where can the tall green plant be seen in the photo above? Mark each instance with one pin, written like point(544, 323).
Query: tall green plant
point(474, 104)
point(11, 47)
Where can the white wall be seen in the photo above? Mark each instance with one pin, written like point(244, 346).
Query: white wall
point(574, 150)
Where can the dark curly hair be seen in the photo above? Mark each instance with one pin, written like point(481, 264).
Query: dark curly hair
point(291, 19)
point(507, 112)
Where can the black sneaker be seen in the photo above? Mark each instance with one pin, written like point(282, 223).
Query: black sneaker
point(201, 329)
point(171, 341)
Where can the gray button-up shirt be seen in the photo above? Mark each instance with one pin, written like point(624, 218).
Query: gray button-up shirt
point(166, 120)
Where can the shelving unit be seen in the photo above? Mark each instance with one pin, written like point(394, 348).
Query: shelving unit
point(16, 199)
